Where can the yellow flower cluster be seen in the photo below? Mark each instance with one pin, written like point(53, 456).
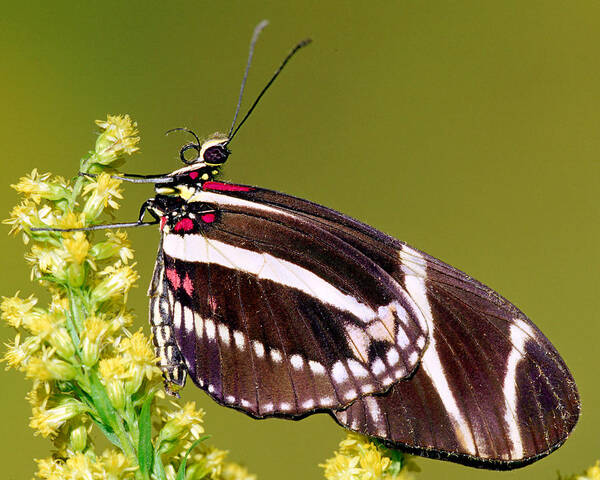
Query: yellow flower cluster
point(111, 465)
point(87, 368)
point(360, 459)
point(592, 473)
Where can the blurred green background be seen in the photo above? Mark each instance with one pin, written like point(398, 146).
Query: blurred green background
point(468, 129)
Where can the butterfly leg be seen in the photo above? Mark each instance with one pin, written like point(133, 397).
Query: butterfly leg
point(135, 178)
point(146, 207)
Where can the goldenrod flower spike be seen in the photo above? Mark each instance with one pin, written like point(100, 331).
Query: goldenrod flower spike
point(88, 371)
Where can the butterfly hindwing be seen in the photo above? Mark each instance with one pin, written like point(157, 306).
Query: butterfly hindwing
point(276, 316)
point(490, 390)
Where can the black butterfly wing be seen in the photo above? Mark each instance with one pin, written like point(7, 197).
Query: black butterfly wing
point(491, 390)
point(274, 315)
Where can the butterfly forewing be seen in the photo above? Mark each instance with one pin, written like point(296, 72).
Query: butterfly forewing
point(274, 314)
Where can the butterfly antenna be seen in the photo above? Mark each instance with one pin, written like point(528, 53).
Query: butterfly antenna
point(298, 46)
point(257, 30)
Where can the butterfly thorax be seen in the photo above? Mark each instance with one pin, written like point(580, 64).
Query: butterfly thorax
point(177, 203)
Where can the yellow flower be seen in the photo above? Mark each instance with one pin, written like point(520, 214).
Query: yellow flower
point(113, 368)
point(15, 310)
point(39, 394)
point(46, 367)
point(48, 327)
point(82, 467)
point(118, 279)
point(592, 473)
point(36, 187)
point(27, 215)
point(141, 359)
point(209, 461)
point(94, 330)
point(120, 320)
point(59, 305)
point(50, 469)
point(18, 354)
point(373, 464)
point(360, 459)
point(77, 247)
point(118, 138)
point(48, 260)
point(48, 421)
point(233, 471)
point(117, 245)
point(342, 467)
point(71, 220)
point(113, 371)
point(180, 424)
point(116, 465)
point(103, 192)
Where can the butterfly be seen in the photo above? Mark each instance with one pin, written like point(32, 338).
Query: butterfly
point(278, 306)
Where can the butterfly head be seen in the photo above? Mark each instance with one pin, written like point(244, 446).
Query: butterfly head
point(203, 161)
point(211, 152)
point(214, 152)
point(204, 158)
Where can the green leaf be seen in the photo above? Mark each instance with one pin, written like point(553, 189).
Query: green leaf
point(181, 471)
point(145, 448)
point(107, 413)
point(397, 458)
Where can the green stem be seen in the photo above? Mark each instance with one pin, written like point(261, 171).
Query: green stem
point(75, 319)
point(115, 422)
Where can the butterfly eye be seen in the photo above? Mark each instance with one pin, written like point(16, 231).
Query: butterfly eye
point(188, 157)
point(215, 155)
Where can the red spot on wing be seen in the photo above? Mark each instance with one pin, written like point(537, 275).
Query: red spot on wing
point(194, 175)
point(225, 187)
point(163, 221)
point(184, 224)
point(188, 286)
point(208, 217)
point(174, 278)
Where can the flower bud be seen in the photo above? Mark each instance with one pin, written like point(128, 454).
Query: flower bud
point(118, 138)
point(181, 423)
point(16, 310)
point(60, 339)
point(117, 281)
point(75, 275)
point(103, 193)
point(48, 421)
point(18, 354)
point(49, 369)
point(113, 371)
point(36, 187)
point(116, 393)
point(116, 246)
point(78, 438)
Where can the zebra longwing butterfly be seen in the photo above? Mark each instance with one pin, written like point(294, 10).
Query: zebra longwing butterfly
point(277, 306)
